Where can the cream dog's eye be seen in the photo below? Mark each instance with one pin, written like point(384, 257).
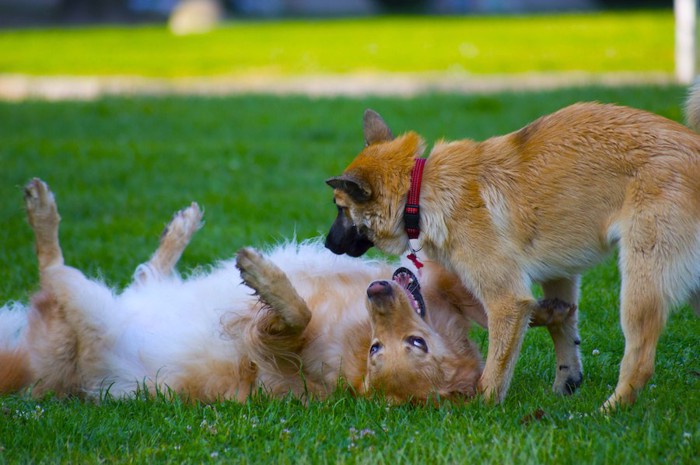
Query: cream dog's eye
point(374, 348)
point(418, 342)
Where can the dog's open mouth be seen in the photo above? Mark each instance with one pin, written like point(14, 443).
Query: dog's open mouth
point(409, 283)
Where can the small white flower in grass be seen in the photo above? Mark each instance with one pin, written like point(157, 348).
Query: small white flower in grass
point(214, 455)
point(366, 432)
point(687, 435)
point(211, 428)
point(596, 352)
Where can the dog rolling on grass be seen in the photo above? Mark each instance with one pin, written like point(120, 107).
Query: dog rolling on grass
point(543, 204)
point(314, 323)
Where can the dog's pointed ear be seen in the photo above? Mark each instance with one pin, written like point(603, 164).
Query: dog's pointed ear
point(357, 189)
point(375, 129)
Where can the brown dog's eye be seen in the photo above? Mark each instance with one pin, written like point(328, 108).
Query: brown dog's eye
point(418, 343)
point(374, 348)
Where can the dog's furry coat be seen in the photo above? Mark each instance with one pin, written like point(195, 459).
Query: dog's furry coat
point(543, 204)
point(208, 337)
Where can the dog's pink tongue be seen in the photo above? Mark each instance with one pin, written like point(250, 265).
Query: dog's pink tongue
point(402, 279)
point(378, 288)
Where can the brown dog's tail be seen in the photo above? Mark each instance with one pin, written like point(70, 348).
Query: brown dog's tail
point(692, 107)
point(14, 371)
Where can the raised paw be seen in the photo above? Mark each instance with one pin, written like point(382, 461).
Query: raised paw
point(552, 312)
point(41, 205)
point(273, 287)
point(562, 323)
point(43, 217)
point(256, 271)
point(184, 224)
point(173, 241)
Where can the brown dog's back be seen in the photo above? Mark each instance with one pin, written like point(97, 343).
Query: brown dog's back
point(576, 176)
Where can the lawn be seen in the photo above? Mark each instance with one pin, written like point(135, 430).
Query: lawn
point(121, 166)
point(594, 42)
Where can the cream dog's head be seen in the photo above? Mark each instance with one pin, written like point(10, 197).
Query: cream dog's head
point(415, 355)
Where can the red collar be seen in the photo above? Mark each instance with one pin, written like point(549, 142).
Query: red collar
point(411, 213)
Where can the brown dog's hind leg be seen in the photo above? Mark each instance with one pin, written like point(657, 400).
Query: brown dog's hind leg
point(176, 235)
point(561, 297)
point(643, 317)
point(43, 217)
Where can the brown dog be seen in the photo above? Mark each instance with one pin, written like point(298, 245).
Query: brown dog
point(543, 204)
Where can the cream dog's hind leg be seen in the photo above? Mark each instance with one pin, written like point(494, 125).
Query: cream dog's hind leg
point(564, 333)
point(43, 217)
point(65, 343)
point(176, 235)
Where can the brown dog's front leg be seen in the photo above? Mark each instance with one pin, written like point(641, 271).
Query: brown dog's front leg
point(508, 320)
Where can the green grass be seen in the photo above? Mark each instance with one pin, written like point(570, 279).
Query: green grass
point(595, 42)
point(120, 167)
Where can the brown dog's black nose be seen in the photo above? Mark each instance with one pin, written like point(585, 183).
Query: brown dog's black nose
point(379, 288)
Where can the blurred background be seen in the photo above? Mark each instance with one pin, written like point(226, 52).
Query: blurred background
point(90, 48)
point(34, 12)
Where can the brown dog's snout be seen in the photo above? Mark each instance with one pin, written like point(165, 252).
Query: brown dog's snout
point(379, 289)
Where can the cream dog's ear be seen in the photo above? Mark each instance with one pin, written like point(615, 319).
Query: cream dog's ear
point(375, 129)
point(465, 380)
